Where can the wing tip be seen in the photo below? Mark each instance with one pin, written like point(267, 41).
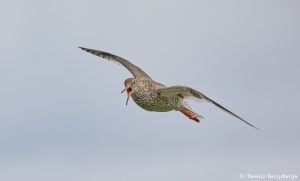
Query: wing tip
point(249, 124)
point(255, 128)
point(82, 48)
point(99, 53)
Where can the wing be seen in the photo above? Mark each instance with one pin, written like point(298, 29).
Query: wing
point(187, 92)
point(134, 70)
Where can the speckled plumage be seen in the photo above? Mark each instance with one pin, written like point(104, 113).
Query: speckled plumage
point(147, 97)
point(154, 96)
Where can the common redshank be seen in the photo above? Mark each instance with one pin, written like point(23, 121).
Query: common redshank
point(153, 96)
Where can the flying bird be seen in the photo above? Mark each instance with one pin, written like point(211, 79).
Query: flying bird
point(153, 96)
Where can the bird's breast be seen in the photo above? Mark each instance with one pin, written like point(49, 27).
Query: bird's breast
point(151, 101)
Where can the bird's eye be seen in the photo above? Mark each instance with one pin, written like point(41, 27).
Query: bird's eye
point(133, 82)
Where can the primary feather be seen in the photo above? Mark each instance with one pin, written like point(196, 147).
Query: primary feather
point(188, 92)
point(133, 69)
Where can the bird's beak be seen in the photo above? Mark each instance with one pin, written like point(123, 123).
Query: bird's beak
point(128, 89)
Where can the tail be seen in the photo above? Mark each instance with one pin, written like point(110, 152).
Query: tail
point(192, 115)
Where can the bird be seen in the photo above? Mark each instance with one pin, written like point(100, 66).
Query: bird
point(156, 97)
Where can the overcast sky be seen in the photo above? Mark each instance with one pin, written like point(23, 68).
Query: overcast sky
point(63, 117)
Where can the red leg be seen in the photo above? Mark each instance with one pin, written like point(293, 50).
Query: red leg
point(190, 115)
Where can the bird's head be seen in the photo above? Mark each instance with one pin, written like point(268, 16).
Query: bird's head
point(130, 85)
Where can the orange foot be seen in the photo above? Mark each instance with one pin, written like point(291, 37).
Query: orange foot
point(190, 115)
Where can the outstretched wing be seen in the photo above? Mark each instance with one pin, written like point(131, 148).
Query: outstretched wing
point(187, 92)
point(134, 70)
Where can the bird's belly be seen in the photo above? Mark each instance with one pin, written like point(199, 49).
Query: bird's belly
point(155, 103)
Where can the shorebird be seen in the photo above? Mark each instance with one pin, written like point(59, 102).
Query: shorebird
point(153, 96)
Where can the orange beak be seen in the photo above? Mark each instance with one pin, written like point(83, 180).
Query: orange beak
point(128, 89)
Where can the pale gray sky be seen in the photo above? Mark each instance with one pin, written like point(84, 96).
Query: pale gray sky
point(63, 117)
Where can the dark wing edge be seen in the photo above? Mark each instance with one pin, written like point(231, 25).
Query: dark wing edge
point(188, 92)
point(133, 69)
point(228, 111)
point(197, 93)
